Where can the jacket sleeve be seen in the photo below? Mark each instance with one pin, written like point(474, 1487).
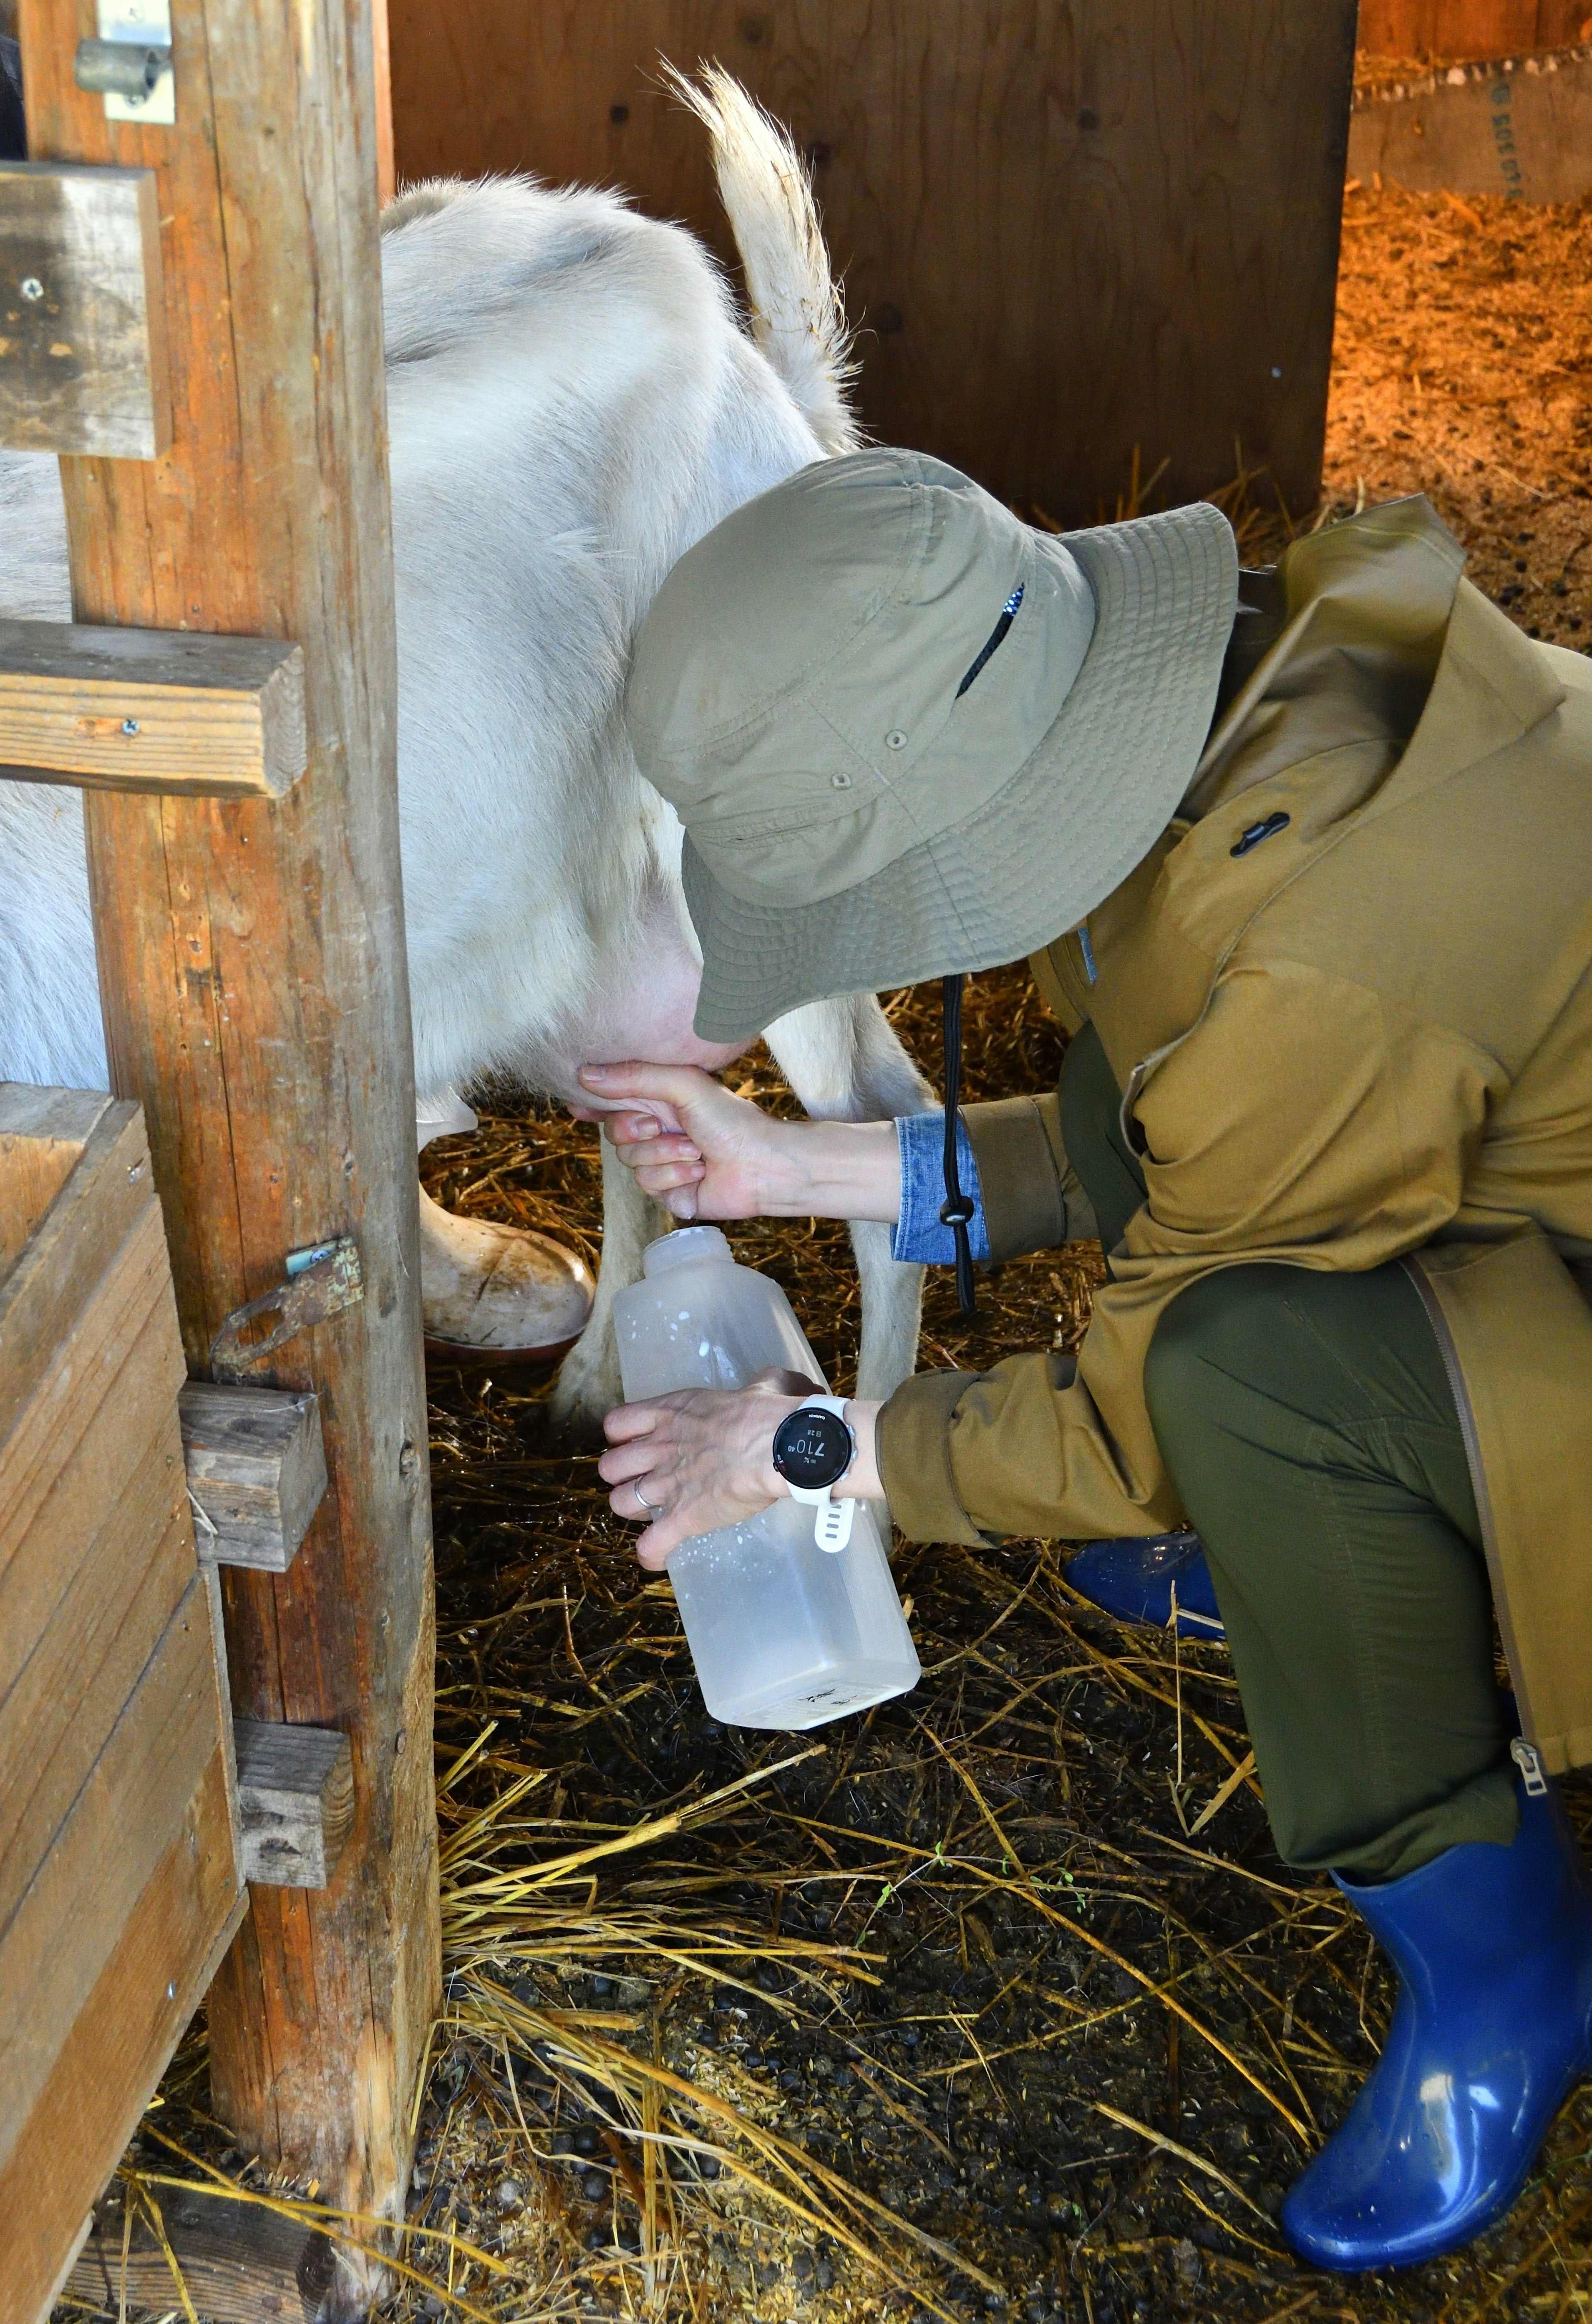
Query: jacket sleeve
point(1305, 1121)
point(1032, 1198)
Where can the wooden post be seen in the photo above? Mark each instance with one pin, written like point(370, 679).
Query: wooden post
point(253, 973)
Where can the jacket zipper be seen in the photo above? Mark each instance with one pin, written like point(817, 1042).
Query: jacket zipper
point(1478, 1482)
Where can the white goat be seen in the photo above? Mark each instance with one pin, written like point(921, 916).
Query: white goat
point(572, 403)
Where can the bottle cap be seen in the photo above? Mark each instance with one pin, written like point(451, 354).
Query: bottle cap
point(685, 1243)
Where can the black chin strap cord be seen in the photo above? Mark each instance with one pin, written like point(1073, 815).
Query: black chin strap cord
point(956, 1211)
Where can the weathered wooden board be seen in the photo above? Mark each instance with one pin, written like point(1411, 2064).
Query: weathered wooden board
point(82, 322)
point(43, 1132)
point(1068, 230)
point(1521, 127)
point(295, 1802)
point(1469, 28)
point(119, 1870)
point(242, 2264)
point(164, 1959)
point(251, 967)
point(149, 710)
point(256, 1470)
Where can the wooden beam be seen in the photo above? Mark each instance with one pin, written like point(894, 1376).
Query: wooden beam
point(256, 1471)
point(82, 321)
point(295, 1801)
point(252, 972)
point(242, 2264)
point(150, 710)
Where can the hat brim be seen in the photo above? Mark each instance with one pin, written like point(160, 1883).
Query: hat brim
point(1086, 806)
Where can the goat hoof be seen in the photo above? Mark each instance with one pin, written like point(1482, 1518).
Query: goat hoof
point(502, 1292)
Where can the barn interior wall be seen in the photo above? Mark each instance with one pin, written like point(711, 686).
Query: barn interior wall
point(1471, 28)
point(1070, 230)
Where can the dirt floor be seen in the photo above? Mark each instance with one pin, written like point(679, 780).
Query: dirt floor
point(996, 2000)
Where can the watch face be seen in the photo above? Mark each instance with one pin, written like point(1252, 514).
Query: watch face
point(812, 1449)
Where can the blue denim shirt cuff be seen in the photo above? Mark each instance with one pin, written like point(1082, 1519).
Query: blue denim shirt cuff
point(919, 1235)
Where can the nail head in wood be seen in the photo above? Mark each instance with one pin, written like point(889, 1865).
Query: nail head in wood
point(256, 1471)
point(295, 1801)
point(150, 710)
point(82, 311)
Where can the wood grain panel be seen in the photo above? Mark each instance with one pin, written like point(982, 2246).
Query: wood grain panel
point(1471, 28)
point(66, 1924)
point(252, 972)
point(82, 328)
point(143, 710)
point(80, 1380)
point(1069, 228)
point(242, 2264)
point(43, 1134)
point(125, 1562)
point(60, 2155)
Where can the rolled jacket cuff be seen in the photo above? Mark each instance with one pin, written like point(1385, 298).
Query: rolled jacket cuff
point(1023, 1175)
point(913, 1449)
point(919, 1234)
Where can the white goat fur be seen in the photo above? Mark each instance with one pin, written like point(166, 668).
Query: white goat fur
point(572, 403)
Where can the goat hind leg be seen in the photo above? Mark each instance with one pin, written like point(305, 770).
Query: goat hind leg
point(845, 1062)
point(588, 1383)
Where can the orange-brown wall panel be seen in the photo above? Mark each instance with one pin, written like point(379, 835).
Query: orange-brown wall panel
point(1471, 28)
point(1069, 228)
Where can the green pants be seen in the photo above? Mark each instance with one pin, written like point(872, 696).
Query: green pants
point(1308, 1425)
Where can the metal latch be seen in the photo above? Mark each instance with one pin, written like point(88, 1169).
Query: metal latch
point(130, 63)
point(321, 1281)
point(1525, 1758)
point(120, 68)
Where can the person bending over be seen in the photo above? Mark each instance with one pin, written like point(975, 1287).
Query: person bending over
point(1304, 868)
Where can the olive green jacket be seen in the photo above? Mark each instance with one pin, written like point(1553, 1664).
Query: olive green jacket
point(1368, 1037)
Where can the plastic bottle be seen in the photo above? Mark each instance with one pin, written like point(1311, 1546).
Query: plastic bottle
point(783, 1633)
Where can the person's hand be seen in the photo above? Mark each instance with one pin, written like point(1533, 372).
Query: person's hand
point(694, 1147)
point(705, 1154)
point(699, 1459)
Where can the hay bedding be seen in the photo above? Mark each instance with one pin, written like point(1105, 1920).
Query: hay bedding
point(996, 2000)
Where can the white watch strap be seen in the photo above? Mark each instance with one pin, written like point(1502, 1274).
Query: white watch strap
point(832, 1520)
point(832, 1526)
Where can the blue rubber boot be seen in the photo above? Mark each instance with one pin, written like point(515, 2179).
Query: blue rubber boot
point(1494, 1951)
point(1134, 1579)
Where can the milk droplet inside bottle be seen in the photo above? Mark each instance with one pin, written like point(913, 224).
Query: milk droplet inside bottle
point(783, 1634)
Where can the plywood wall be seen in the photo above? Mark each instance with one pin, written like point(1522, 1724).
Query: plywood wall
point(1070, 228)
point(1471, 28)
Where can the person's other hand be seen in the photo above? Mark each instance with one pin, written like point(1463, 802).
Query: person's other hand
point(702, 1458)
point(694, 1147)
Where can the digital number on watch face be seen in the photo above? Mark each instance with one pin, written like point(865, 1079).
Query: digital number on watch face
point(812, 1448)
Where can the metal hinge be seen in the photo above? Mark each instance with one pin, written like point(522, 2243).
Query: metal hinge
point(321, 1281)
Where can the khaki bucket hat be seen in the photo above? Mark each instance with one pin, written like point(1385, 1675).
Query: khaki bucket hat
point(863, 808)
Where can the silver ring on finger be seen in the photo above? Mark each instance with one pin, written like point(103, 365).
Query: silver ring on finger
point(653, 1508)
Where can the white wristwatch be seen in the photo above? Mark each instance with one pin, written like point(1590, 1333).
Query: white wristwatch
point(814, 1447)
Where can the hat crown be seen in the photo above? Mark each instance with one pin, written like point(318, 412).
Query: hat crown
point(881, 776)
point(781, 597)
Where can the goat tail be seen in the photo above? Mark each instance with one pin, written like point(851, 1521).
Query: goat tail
point(798, 317)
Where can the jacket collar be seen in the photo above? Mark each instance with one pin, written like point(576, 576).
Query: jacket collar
point(1365, 608)
point(1382, 642)
point(1493, 685)
point(1378, 621)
